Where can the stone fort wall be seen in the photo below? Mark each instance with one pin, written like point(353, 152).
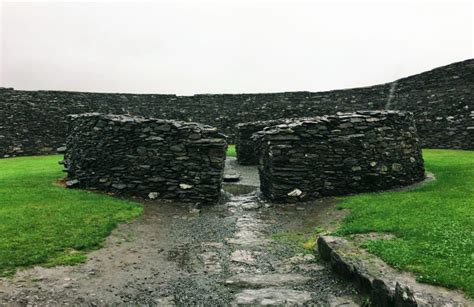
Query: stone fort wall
point(339, 154)
point(145, 157)
point(34, 122)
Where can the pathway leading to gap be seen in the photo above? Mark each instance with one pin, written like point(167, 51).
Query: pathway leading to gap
point(232, 253)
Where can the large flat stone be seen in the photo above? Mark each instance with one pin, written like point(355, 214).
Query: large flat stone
point(245, 256)
point(272, 296)
point(248, 241)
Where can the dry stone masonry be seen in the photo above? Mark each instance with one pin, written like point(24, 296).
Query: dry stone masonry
point(34, 122)
point(147, 157)
point(341, 154)
point(245, 144)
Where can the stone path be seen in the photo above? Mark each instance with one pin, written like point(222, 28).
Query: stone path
point(177, 254)
point(280, 285)
point(249, 242)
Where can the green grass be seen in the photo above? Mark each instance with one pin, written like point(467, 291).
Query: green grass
point(44, 223)
point(433, 225)
point(231, 151)
point(301, 242)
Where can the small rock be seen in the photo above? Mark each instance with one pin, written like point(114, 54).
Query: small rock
point(177, 148)
point(119, 186)
point(153, 195)
point(231, 177)
point(185, 186)
point(295, 193)
point(397, 167)
point(71, 183)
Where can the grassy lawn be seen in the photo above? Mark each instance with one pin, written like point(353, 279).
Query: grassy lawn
point(231, 151)
point(43, 223)
point(433, 225)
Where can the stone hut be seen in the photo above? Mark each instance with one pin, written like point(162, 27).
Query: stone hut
point(147, 157)
point(338, 155)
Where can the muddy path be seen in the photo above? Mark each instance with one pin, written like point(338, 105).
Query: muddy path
point(237, 252)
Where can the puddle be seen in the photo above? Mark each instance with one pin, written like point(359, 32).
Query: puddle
point(238, 189)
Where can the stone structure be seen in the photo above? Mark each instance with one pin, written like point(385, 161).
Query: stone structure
point(245, 146)
point(151, 158)
point(341, 154)
point(34, 122)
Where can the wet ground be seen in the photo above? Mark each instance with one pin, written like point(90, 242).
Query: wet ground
point(239, 252)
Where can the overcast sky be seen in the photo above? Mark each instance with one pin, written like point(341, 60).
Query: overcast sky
point(226, 47)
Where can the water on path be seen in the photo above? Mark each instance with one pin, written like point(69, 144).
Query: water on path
point(177, 254)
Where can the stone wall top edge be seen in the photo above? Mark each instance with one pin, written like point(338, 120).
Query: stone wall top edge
point(338, 115)
point(140, 119)
point(368, 88)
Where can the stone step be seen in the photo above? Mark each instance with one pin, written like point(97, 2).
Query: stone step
point(272, 296)
point(245, 256)
point(266, 280)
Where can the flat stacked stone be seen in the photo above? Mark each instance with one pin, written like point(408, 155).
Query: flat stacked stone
point(244, 143)
point(147, 157)
point(338, 155)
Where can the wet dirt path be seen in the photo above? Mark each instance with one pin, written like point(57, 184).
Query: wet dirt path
point(177, 254)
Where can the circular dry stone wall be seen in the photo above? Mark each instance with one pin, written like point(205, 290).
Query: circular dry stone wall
point(337, 155)
point(148, 157)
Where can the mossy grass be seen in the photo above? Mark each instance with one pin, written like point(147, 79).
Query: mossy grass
point(44, 223)
point(433, 225)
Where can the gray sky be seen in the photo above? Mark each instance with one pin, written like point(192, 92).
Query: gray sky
point(226, 47)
